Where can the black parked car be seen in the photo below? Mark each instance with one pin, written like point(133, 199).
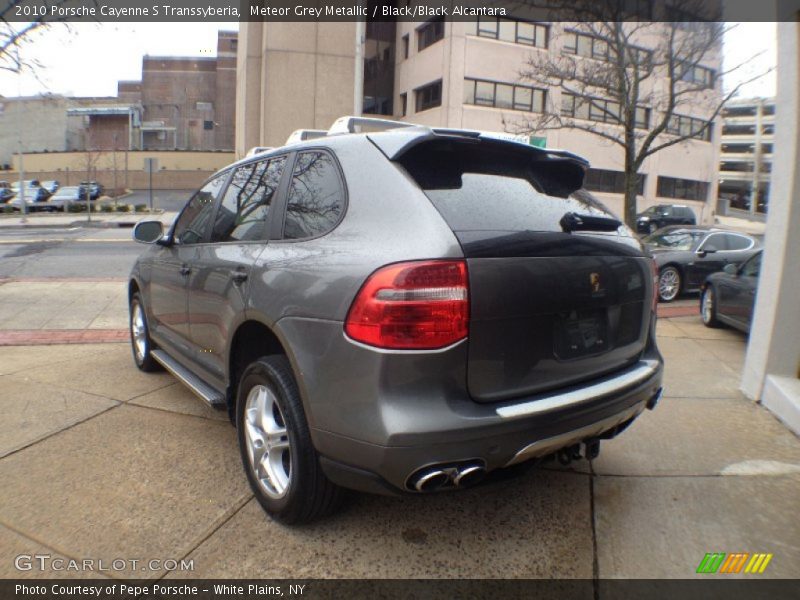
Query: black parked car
point(686, 256)
point(399, 312)
point(95, 190)
point(661, 215)
point(728, 297)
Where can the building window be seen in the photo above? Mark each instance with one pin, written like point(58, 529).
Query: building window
point(430, 33)
point(689, 127)
point(696, 75)
point(508, 30)
point(589, 46)
point(428, 96)
point(403, 104)
point(602, 111)
point(503, 95)
point(746, 130)
point(208, 125)
point(611, 182)
point(405, 46)
point(682, 189)
point(204, 106)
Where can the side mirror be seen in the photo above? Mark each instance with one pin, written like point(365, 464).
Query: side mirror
point(731, 269)
point(148, 232)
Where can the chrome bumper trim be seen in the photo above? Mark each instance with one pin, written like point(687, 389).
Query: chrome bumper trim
point(552, 402)
point(551, 444)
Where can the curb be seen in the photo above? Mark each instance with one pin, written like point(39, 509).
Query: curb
point(667, 312)
point(46, 337)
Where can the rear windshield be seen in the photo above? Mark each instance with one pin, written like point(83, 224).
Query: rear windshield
point(477, 186)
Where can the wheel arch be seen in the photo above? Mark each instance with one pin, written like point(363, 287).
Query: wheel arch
point(251, 340)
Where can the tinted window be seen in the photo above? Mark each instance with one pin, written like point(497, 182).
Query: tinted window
point(737, 242)
point(676, 240)
point(316, 198)
point(715, 241)
point(243, 213)
point(192, 225)
point(752, 267)
point(482, 187)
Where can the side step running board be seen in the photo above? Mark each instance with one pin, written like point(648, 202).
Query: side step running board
point(212, 397)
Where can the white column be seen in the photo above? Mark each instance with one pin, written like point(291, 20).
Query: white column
point(772, 365)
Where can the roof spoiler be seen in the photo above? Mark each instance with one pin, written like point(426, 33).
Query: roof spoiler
point(402, 141)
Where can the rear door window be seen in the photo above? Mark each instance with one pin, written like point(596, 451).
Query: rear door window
point(245, 208)
point(315, 201)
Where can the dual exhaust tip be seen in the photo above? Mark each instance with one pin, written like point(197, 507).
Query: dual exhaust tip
point(429, 479)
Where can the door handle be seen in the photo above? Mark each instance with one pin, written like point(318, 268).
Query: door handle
point(185, 270)
point(239, 277)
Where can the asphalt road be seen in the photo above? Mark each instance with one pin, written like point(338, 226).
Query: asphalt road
point(69, 252)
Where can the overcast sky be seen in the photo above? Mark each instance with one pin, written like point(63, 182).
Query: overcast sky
point(89, 59)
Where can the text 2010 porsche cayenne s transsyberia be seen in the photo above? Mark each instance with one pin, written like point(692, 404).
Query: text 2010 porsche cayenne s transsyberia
point(399, 311)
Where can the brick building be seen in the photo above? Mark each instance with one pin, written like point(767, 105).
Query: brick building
point(181, 103)
point(187, 102)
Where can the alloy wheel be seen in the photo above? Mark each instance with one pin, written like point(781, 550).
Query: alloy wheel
point(267, 441)
point(708, 306)
point(669, 284)
point(139, 331)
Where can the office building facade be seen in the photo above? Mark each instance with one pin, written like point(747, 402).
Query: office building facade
point(463, 75)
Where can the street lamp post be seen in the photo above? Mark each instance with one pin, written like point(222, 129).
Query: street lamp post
point(23, 208)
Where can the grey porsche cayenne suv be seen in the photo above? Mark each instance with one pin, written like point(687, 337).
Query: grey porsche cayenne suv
point(402, 311)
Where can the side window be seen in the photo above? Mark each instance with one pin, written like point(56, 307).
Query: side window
point(316, 198)
point(715, 241)
point(752, 267)
point(666, 211)
point(244, 209)
point(193, 223)
point(737, 242)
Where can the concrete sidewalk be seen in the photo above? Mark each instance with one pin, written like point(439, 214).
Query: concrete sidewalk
point(100, 219)
point(100, 460)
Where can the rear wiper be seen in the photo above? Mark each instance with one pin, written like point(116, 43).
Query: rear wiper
point(575, 222)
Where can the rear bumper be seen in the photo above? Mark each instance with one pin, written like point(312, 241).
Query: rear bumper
point(504, 435)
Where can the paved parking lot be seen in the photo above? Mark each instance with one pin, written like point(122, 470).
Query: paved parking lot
point(99, 461)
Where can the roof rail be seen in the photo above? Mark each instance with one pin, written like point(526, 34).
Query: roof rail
point(361, 124)
point(257, 150)
point(301, 135)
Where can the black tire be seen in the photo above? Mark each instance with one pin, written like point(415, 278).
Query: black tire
point(141, 353)
point(308, 495)
point(708, 313)
point(672, 274)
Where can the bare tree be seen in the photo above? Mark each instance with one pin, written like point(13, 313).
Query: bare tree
point(631, 83)
point(14, 35)
point(92, 154)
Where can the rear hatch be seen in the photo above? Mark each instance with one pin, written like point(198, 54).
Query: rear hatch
point(550, 306)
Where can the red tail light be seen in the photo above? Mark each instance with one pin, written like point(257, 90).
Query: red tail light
point(412, 305)
point(654, 270)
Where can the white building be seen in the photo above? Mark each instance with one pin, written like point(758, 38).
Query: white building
point(747, 143)
point(463, 75)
